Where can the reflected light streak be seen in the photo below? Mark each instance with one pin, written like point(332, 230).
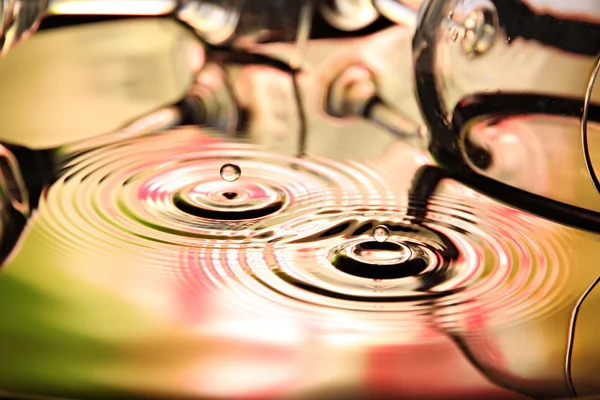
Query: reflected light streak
point(368, 334)
point(241, 377)
point(112, 7)
point(148, 124)
point(281, 332)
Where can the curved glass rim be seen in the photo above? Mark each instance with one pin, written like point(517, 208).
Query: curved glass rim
point(446, 132)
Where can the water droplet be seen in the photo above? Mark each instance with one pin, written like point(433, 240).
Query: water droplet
point(381, 233)
point(230, 172)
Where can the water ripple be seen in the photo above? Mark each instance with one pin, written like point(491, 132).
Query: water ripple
point(296, 235)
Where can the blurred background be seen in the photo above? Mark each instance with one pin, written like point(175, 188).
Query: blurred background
point(116, 290)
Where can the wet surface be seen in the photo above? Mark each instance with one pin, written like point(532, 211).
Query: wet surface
point(119, 288)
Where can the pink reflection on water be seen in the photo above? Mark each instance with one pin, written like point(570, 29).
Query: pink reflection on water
point(430, 370)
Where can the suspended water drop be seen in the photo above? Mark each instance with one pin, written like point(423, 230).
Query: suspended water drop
point(230, 172)
point(381, 233)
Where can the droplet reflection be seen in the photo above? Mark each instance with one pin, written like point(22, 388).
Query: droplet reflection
point(230, 172)
point(381, 233)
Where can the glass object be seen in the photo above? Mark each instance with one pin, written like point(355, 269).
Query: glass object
point(490, 77)
point(507, 91)
point(239, 24)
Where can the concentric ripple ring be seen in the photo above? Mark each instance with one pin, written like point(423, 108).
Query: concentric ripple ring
point(295, 235)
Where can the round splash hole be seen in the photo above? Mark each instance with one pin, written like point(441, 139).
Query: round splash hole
point(230, 195)
point(220, 201)
point(380, 253)
point(379, 260)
